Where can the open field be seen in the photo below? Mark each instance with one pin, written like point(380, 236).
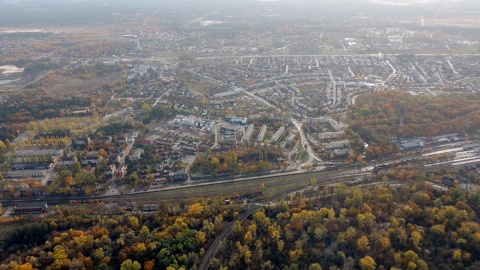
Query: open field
point(10, 69)
point(66, 86)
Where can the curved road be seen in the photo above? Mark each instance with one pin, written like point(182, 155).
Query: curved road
point(305, 143)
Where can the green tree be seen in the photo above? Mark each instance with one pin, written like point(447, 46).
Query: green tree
point(313, 182)
point(76, 167)
point(130, 265)
point(363, 244)
point(134, 178)
point(472, 177)
point(103, 266)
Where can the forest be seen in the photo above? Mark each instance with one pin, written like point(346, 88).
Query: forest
point(29, 107)
point(412, 226)
point(378, 117)
point(406, 116)
point(87, 237)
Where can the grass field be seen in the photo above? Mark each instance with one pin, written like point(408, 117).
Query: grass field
point(303, 156)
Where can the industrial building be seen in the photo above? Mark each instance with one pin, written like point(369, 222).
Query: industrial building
point(31, 208)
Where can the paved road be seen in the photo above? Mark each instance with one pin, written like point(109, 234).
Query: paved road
point(394, 72)
point(160, 97)
point(305, 143)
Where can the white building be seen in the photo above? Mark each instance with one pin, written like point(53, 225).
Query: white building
point(278, 135)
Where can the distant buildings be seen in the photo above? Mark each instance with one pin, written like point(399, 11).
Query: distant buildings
point(238, 120)
point(411, 145)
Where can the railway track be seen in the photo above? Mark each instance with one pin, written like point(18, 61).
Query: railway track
point(300, 181)
point(158, 195)
point(213, 249)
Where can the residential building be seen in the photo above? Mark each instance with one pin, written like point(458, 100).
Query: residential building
point(67, 160)
point(278, 135)
point(261, 134)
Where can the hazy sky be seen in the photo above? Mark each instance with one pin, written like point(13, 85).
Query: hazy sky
point(18, 12)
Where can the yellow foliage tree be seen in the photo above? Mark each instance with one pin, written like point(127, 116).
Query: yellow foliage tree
point(367, 263)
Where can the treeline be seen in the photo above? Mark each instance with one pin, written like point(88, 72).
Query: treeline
point(116, 129)
point(404, 115)
point(7, 133)
point(33, 107)
point(75, 126)
point(158, 113)
point(97, 69)
point(377, 117)
point(72, 179)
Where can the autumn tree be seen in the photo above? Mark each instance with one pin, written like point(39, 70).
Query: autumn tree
point(130, 265)
point(367, 263)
